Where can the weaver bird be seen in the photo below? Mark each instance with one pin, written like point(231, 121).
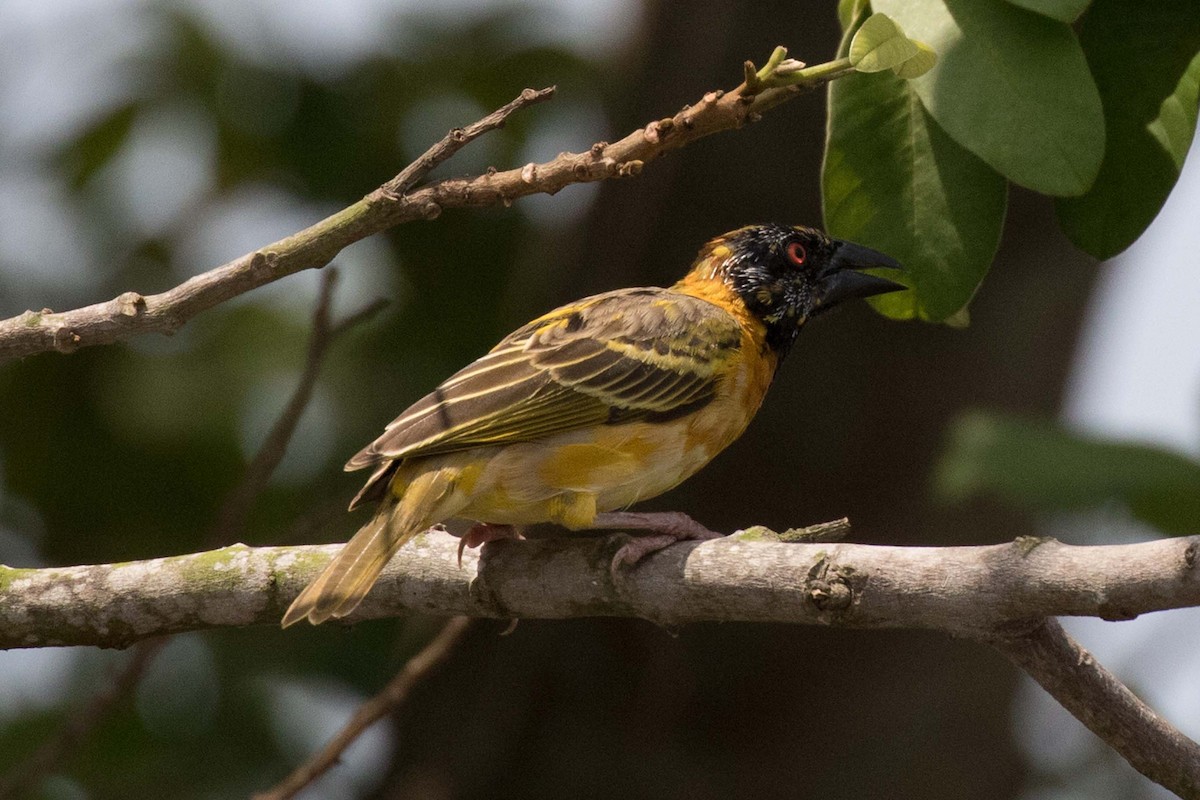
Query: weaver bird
point(597, 405)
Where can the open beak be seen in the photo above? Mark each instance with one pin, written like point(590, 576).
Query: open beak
point(841, 280)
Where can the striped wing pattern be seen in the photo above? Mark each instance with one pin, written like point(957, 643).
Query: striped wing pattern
point(624, 355)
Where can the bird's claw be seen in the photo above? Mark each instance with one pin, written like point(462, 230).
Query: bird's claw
point(483, 533)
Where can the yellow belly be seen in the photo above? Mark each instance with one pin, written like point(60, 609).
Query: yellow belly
point(570, 477)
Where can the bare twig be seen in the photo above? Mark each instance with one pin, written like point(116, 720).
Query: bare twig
point(1073, 677)
point(231, 520)
point(459, 138)
point(80, 725)
point(391, 698)
point(393, 203)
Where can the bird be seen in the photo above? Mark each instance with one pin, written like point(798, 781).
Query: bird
point(603, 402)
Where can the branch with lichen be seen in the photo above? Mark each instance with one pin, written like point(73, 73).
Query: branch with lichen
point(1002, 594)
point(750, 577)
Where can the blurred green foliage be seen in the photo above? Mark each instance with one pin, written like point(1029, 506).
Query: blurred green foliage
point(1044, 466)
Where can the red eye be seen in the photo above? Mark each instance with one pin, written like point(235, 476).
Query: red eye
point(796, 253)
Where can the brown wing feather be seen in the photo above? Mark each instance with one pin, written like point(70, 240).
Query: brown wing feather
point(624, 355)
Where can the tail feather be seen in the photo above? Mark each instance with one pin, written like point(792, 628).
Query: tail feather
point(345, 581)
point(343, 584)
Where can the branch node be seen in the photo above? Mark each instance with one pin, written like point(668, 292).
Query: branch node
point(66, 340)
point(1027, 544)
point(750, 78)
point(458, 135)
point(828, 585)
point(1189, 556)
point(529, 173)
point(651, 132)
point(833, 596)
point(630, 168)
point(430, 210)
point(130, 304)
point(597, 149)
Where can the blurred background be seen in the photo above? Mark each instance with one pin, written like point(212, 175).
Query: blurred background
point(145, 141)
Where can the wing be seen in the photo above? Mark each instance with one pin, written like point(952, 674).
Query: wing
point(625, 355)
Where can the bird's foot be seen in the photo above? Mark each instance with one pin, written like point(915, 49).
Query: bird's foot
point(661, 529)
point(484, 532)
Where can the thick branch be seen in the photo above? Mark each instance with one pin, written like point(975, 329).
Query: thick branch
point(1073, 677)
point(132, 314)
point(958, 589)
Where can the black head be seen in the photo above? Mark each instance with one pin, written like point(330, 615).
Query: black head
point(787, 275)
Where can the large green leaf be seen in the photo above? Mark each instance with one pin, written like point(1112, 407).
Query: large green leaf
point(1040, 464)
point(1011, 86)
point(894, 180)
point(1146, 66)
point(1065, 10)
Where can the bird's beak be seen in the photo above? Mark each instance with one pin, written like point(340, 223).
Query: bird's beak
point(841, 280)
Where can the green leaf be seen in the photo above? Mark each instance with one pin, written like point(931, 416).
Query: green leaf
point(1010, 86)
point(1145, 66)
point(880, 45)
point(1176, 123)
point(894, 180)
point(1044, 466)
point(917, 65)
point(1063, 10)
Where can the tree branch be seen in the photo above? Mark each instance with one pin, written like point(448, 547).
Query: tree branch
point(131, 314)
point(963, 590)
point(389, 699)
point(1073, 677)
point(1001, 594)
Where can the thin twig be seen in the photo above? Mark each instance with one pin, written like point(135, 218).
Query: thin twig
point(459, 138)
point(231, 521)
point(391, 698)
point(81, 724)
point(1073, 677)
point(132, 314)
